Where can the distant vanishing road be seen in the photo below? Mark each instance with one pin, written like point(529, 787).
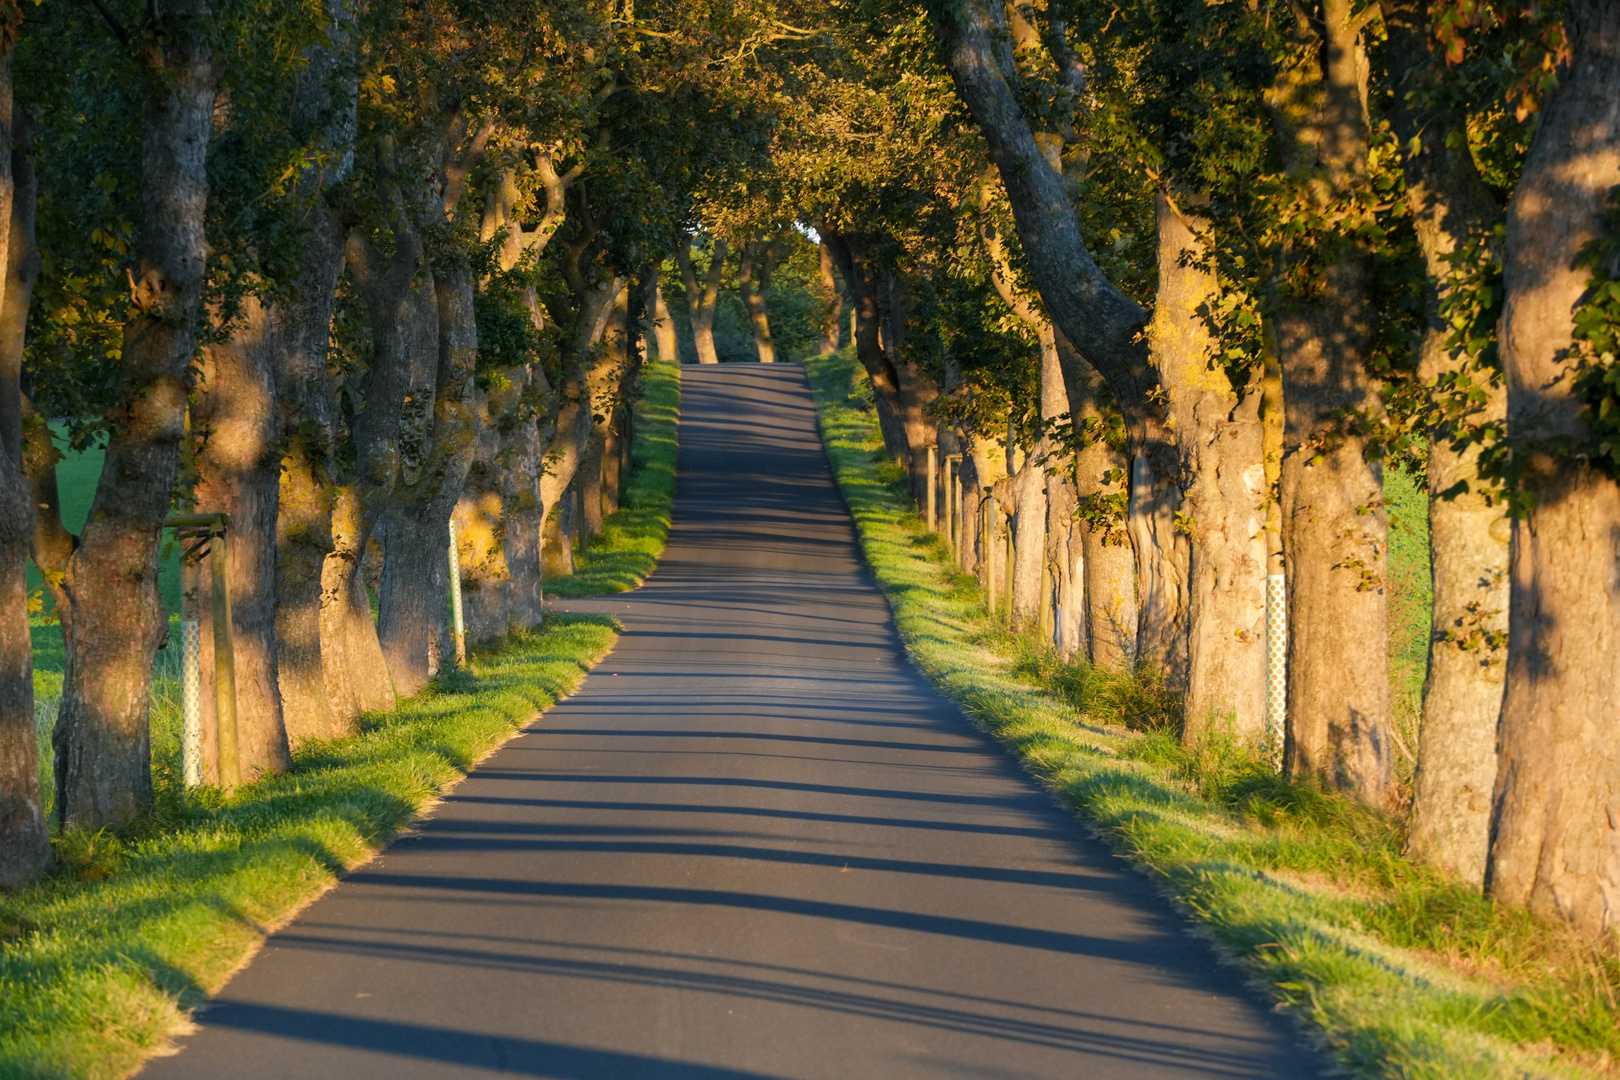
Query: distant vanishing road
point(755, 844)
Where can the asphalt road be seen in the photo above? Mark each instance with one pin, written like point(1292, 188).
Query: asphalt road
point(755, 844)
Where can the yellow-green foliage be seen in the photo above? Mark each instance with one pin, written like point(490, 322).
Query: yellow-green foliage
point(633, 538)
point(1398, 972)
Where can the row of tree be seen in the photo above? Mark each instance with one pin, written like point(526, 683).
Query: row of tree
point(1178, 281)
point(1175, 281)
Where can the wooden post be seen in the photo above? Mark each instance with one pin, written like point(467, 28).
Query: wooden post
point(933, 479)
point(230, 762)
point(1012, 556)
point(987, 526)
point(950, 498)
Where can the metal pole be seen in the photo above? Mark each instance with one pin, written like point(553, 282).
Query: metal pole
point(933, 480)
point(458, 626)
point(1276, 665)
point(230, 763)
point(191, 702)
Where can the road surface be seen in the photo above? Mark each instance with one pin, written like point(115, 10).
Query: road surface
point(754, 844)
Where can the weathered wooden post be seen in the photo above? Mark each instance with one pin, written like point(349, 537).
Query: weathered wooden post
point(457, 623)
point(933, 481)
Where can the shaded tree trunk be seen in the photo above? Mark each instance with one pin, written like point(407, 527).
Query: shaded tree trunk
point(701, 300)
point(102, 740)
point(238, 469)
point(1468, 530)
point(25, 846)
point(1335, 530)
point(307, 420)
point(1556, 817)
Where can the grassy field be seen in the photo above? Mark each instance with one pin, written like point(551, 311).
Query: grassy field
point(1395, 970)
point(101, 962)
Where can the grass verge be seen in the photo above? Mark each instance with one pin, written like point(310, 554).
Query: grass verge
point(1398, 972)
point(101, 962)
point(633, 538)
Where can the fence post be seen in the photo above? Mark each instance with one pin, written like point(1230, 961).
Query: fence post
point(933, 481)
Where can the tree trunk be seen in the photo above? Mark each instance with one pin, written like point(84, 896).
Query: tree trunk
point(833, 298)
point(1555, 833)
point(701, 302)
point(1335, 530)
point(481, 530)
point(102, 741)
point(25, 845)
point(757, 256)
point(238, 471)
point(356, 675)
point(412, 604)
point(1468, 530)
point(1223, 520)
point(669, 351)
point(304, 398)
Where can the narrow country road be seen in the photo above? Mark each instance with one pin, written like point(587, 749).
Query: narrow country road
point(755, 844)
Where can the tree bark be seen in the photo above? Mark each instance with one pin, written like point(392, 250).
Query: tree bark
point(833, 299)
point(1335, 530)
point(307, 420)
point(1221, 547)
point(412, 613)
point(701, 300)
point(481, 530)
point(102, 741)
point(25, 845)
point(1556, 815)
point(1468, 529)
point(669, 351)
point(757, 257)
point(238, 468)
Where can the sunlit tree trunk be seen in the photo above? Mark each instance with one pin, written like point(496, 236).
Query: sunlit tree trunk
point(1222, 514)
point(701, 299)
point(756, 265)
point(102, 741)
point(1556, 819)
point(482, 527)
point(669, 351)
point(833, 299)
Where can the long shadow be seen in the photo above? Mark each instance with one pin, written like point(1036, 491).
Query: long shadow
point(526, 1057)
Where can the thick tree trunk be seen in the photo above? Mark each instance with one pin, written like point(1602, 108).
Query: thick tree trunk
point(756, 259)
point(1335, 530)
point(238, 471)
point(481, 529)
point(1557, 802)
point(701, 300)
point(833, 299)
point(25, 847)
point(304, 396)
point(356, 675)
point(102, 742)
point(1223, 518)
point(1468, 530)
point(412, 604)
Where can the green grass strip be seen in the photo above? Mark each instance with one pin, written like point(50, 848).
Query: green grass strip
point(633, 538)
point(101, 962)
point(1396, 972)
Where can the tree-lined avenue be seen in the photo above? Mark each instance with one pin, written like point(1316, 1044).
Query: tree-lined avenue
point(755, 844)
